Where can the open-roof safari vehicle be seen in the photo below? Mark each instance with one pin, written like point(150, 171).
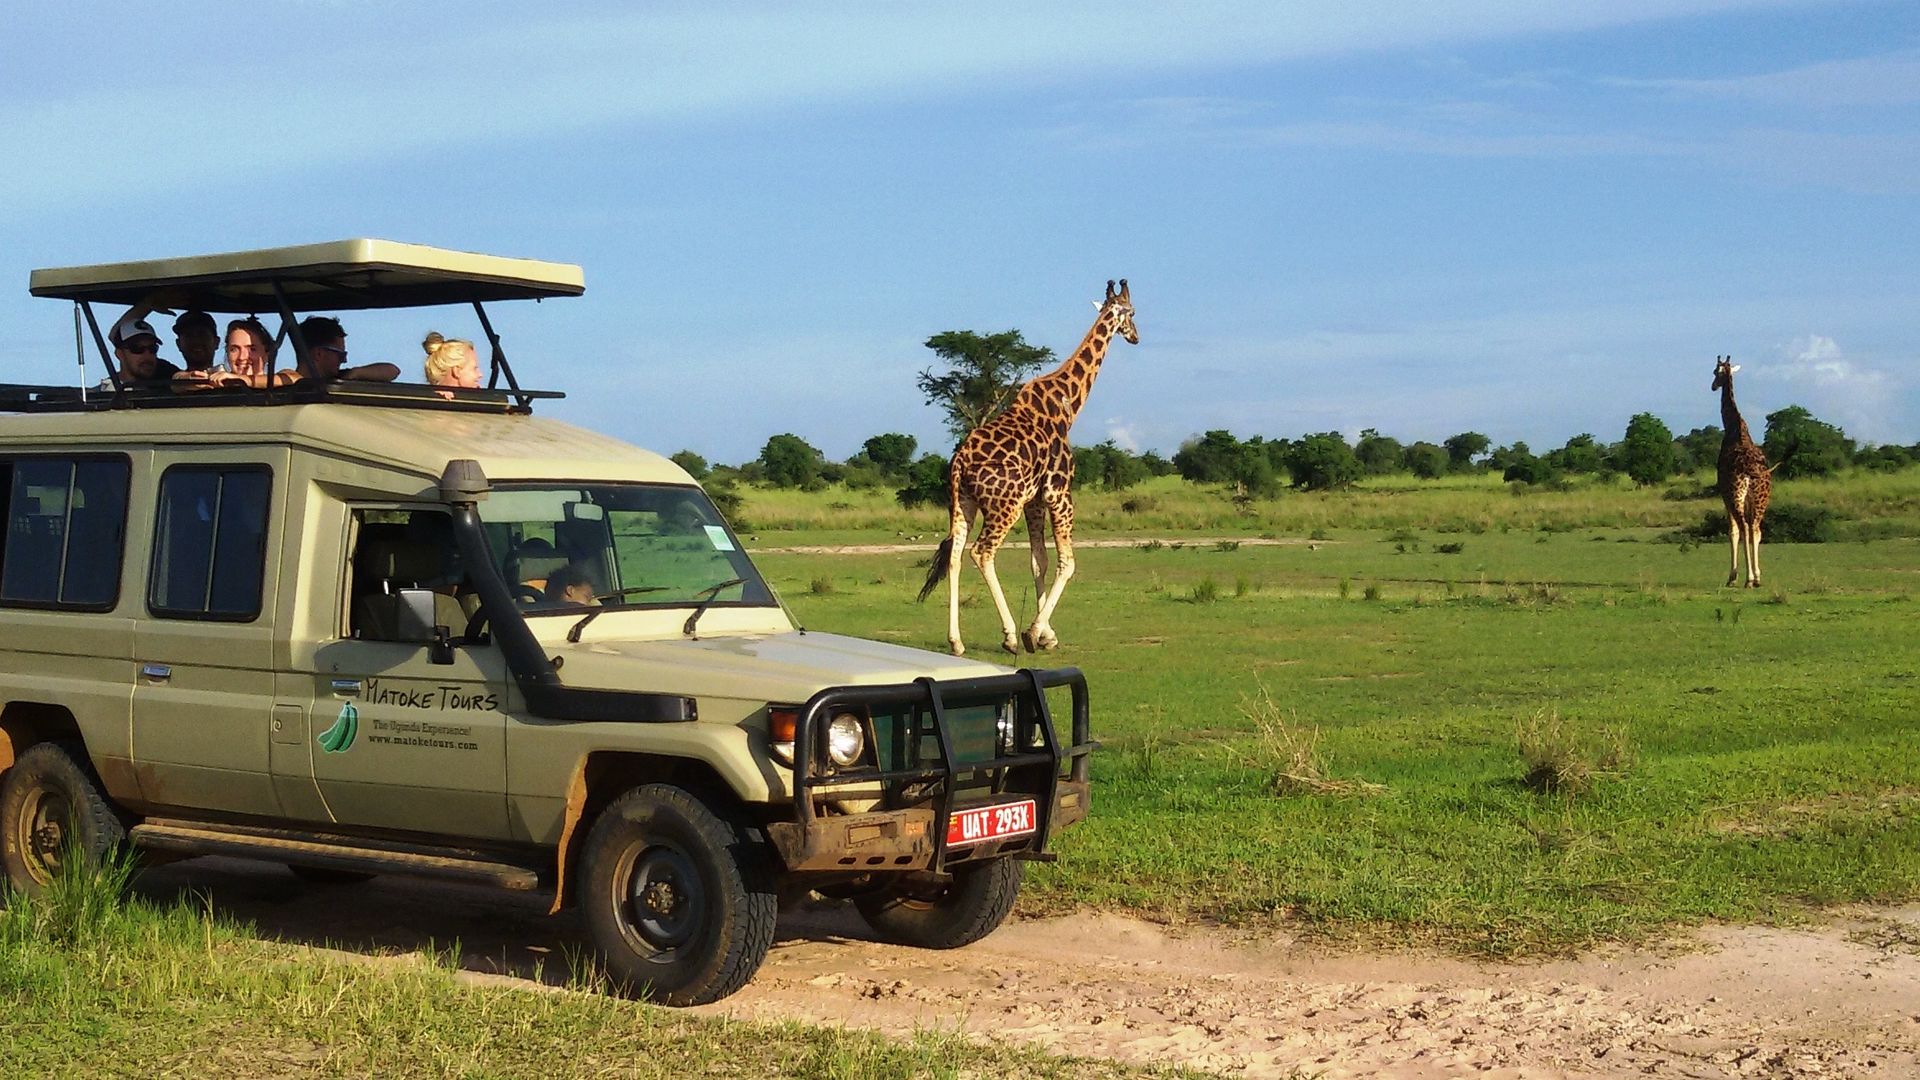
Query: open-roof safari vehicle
point(345, 627)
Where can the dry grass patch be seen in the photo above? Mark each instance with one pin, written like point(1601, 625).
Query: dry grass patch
point(1289, 755)
point(1561, 759)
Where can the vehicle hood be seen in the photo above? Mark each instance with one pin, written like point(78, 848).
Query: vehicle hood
point(786, 666)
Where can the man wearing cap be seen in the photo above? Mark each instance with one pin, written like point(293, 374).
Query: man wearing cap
point(327, 350)
point(137, 348)
point(197, 338)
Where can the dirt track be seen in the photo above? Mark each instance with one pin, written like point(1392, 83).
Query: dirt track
point(1019, 543)
point(1841, 999)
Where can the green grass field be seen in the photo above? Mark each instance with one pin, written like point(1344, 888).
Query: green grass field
point(94, 983)
point(1728, 754)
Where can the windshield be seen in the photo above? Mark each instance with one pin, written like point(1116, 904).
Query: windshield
point(567, 548)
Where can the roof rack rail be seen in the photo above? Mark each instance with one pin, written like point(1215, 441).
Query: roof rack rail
point(32, 398)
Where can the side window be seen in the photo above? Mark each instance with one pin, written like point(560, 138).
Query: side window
point(395, 549)
point(210, 543)
point(66, 523)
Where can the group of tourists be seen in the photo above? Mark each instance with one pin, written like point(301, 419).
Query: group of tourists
point(450, 362)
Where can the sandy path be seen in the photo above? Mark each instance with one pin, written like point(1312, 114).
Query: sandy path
point(1840, 999)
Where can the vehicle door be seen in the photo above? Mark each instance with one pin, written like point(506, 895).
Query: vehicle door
point(405, 734)
point(203, 685)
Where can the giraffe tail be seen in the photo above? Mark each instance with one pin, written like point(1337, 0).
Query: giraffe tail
point(942, 561)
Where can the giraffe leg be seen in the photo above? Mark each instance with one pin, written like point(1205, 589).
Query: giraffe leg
point(1060, 509)
point(1037, 541)
point(1733, 538)
point(994, 526)
point(1753, 555)
point(958, 526)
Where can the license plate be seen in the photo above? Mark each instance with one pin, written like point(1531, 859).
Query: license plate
point(984, 823)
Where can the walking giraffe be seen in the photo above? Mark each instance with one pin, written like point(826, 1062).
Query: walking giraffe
point(1746, 483)
point(1020, 463)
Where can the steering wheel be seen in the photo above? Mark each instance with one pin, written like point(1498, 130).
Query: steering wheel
point(526, 593)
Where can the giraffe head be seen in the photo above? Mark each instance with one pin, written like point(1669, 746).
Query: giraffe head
point(1723, 369)
point(1118, 308)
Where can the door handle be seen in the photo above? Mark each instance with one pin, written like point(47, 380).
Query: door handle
point(157, 671)
point(348, 687)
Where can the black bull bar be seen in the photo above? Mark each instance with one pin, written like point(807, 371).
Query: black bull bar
point(915, 838)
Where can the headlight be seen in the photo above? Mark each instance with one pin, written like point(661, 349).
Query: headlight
point(1003, 731)
point(846, 739)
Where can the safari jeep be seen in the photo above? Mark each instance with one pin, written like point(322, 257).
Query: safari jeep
point(370, 629)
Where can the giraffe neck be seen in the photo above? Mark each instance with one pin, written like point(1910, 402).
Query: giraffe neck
point(1070, 382)
point(1734, 428)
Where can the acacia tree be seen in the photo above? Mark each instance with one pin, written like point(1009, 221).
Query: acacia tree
point(891, 453)
point(1646, 454)
point(1800, 445)
point(790, 461)
point(983, 372)
point(1463, 448)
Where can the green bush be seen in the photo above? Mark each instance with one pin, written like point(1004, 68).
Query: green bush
point(1785, 523)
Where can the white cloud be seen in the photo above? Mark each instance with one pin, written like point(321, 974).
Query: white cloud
point(1121, 432)
point(1834, 387)
point(1891, 79)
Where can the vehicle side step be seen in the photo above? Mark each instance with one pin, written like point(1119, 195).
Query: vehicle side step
point(330, 853)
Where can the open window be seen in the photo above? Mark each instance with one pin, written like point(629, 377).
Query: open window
point(404, 551)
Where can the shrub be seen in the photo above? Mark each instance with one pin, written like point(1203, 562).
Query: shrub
point(820, 586)
point(1785, 523)
point(1449, 549)
point(1561, 760)
point(1226, 545)
point(1205, 591)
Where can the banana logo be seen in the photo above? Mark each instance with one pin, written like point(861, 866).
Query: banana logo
point(345, 729)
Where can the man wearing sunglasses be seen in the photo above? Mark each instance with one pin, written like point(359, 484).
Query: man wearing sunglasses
point(137, 349)
point(326, 354)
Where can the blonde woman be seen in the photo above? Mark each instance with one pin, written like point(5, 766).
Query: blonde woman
point(451, 363)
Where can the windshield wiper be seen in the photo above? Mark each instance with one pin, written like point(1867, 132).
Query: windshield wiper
point(712, 593)
point(573, 635)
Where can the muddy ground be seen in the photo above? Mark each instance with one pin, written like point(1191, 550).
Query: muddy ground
point(1839, 998)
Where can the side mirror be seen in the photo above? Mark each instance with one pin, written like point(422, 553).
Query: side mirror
point(413, 622)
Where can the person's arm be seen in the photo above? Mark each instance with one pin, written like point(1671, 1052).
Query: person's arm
point(371, 373)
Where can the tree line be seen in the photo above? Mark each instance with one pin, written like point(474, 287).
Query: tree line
point(982, 372)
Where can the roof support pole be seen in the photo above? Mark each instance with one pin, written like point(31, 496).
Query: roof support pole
point(113, 373)
point(289, 326)
point(500, 365)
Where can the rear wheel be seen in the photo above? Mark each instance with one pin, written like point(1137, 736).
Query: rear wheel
point(967, 909)
point(681, 904)
point(53, 815)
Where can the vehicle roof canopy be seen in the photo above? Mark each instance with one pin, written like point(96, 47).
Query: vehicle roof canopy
point(344, 275)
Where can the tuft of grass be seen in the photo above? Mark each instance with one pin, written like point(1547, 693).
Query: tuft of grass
point(1226, 545)
point(1204, 591)
point(1346, 587)
point(1373, 591)
point(821, 586)
point(1288, 756)
point(1560, 759)
point(1150, 545)
point(1241, 587)
point(1452, 548)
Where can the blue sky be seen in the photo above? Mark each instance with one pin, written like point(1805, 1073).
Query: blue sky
point(1526, 219)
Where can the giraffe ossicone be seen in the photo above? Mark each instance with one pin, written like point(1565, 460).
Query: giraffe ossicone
point(1019, 464)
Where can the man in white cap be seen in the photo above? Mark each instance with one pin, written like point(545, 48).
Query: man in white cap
point(137, 348)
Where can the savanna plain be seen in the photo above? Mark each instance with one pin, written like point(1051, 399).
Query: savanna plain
point(1447, 721)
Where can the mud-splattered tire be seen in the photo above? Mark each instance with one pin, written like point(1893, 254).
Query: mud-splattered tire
point(968, 909)
point(52, 810)
point(680, 904)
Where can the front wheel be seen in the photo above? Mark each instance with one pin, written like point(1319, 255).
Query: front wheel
point(680, 904)
point(53, 813)
point(967, 909)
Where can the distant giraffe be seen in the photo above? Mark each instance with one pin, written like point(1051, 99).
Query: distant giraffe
point(1746, 483)
point(1020, 463)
